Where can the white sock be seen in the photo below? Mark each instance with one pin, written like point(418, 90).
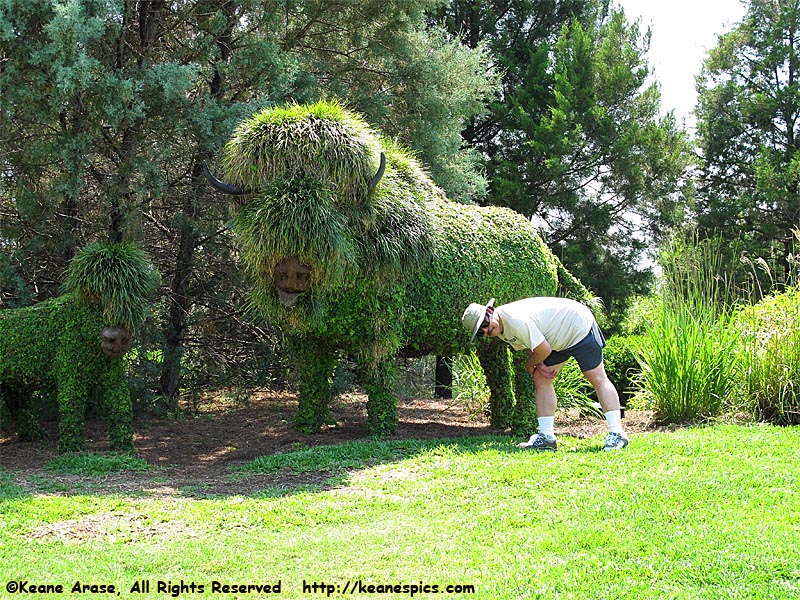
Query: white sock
point(614, 419)
point(547, 426)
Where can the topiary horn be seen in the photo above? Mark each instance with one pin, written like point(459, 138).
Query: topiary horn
point(228, 188)
point(377, 177)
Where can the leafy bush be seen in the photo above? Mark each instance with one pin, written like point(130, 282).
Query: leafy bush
point(641, 311)
point(621, 364)
point(772, 357)
point(689, 359)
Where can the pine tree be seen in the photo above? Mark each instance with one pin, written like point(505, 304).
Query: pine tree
point(747, 118)
point(108, 110)
point(576, 140)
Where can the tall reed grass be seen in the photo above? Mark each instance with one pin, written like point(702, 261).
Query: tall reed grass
point(690, 350)
point(470, 390)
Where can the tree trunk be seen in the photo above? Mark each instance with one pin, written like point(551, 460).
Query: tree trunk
point(444, 377)
point(179, 302)
point(180, 298)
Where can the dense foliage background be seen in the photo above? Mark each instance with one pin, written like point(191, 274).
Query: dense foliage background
point(109, 107)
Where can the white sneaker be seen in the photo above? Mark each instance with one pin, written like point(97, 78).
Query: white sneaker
point(615, 441)
point(539, 441)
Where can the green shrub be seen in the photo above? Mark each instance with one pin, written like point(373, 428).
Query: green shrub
point(689, 359)
point(772, 357)
point(639, 314)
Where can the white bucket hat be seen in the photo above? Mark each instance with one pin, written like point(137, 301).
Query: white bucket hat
point(473, 317)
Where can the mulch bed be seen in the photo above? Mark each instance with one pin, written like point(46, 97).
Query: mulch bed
point(195, 452)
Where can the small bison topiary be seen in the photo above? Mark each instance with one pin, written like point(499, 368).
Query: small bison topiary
point(352, 248)
point(73, 343)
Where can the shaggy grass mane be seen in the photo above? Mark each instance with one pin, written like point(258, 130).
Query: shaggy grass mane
point(118, 277)
point(324, 140)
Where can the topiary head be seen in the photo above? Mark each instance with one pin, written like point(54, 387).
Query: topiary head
point(323, 141)
point(116, 341)
point(119, 279)
point(323, 199)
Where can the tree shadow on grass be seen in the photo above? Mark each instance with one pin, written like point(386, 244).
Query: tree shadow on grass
point(199, 453)
point(251, 449)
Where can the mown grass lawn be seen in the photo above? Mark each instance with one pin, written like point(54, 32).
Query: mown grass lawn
point(710, 512)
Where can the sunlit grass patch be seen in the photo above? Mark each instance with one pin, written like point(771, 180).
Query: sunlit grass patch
point(89, 463)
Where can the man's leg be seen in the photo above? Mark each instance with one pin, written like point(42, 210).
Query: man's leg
point(609, 401)
point(606, 392)
point(545, 409)
point(545, 391)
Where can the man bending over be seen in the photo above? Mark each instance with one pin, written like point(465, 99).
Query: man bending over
point(552, 330)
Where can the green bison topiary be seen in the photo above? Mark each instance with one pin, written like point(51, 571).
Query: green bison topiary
point(351, 247)
point(73, 343)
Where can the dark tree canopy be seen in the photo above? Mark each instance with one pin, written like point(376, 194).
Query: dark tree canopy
point(748, 116)
point(576, 140)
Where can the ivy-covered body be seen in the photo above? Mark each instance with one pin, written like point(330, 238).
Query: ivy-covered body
point(65, 348)
point(30, 362)
point(479, 253)
point(350, 257)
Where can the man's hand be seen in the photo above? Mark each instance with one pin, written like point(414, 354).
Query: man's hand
point(545, 371)
point(535, 358)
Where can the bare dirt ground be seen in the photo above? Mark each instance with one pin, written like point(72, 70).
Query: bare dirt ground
point(194, 453)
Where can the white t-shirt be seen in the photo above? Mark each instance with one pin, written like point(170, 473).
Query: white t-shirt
point(529, 322)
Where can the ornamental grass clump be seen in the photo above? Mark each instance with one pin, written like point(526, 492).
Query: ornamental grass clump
point(294, 218)
point(323, 139)
point(690, 351)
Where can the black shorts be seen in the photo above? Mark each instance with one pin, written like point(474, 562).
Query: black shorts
point(588, 352)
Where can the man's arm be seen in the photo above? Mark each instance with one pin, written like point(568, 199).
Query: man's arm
point(536, 356)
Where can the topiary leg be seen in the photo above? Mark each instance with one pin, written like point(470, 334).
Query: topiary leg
point(117, 396)
point(314, 363)
point(382, 404)
point(524, 419)
point(496, 362)
point(72, 394)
